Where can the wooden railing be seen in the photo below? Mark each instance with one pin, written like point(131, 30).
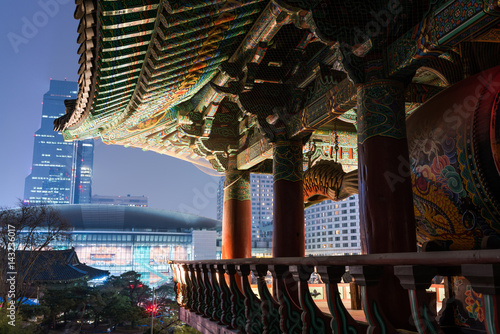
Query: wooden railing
point(229, 304)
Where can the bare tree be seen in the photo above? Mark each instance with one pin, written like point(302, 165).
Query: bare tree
point(24, 233)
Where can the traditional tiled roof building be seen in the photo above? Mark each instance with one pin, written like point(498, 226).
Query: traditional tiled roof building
point(57, 266)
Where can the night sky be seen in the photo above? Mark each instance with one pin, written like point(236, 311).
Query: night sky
point(39, 43)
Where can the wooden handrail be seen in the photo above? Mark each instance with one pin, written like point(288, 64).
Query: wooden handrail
point(447, 258)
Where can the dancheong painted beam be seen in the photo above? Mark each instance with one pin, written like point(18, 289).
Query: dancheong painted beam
point(168, 76)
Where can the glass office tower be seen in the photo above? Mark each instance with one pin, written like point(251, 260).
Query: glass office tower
point(61, 172)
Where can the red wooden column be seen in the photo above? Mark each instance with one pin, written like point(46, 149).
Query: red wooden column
point(387, 219)
point(387, 222)
point(288, 203)
point(236, 217)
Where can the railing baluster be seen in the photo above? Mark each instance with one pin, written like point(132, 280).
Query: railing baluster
point(177, 284)
point(202, 307)
point(189, 289)
point(225, 294)
point(216, 295)
point(313, 319)
point(485, 279)
point(238, 320)
point(446, 316)
point(416, 279)
point(270, 307)
point(253, 307)
point(209, 307)
point(342, 321)
point(368, 278)
point(195, 302)
point(290, 312)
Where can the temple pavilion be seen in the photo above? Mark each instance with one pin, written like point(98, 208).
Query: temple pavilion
point(397, 101)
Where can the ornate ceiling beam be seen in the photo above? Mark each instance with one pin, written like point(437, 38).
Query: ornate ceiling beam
point(328, 102)
point(441, 30)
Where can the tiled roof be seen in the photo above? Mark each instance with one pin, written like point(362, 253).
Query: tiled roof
point(56, 266)
point(141, 58)
point(91, 272)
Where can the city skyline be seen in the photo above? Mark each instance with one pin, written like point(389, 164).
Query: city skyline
point(39, 43)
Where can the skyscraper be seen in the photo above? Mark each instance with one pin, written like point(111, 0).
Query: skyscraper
point(61, 172)
point(331, 228)
point(261, 192)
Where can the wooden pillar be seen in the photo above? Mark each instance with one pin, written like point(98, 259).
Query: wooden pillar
point(236, 218)
point(387, 222)
point(288, 203)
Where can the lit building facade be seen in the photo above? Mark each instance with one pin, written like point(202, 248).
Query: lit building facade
point(61, 172)
point(261, 193)
point(123, 238)
point(220, 198)
point(332, 228)
point(128, 200)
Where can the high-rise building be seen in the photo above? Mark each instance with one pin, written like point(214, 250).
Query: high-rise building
point(261, 194)
point(220, 198)
point(332, 228)
point(128, 200)
point(61, 172)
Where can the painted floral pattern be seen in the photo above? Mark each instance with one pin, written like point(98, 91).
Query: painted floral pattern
point(475, 305)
